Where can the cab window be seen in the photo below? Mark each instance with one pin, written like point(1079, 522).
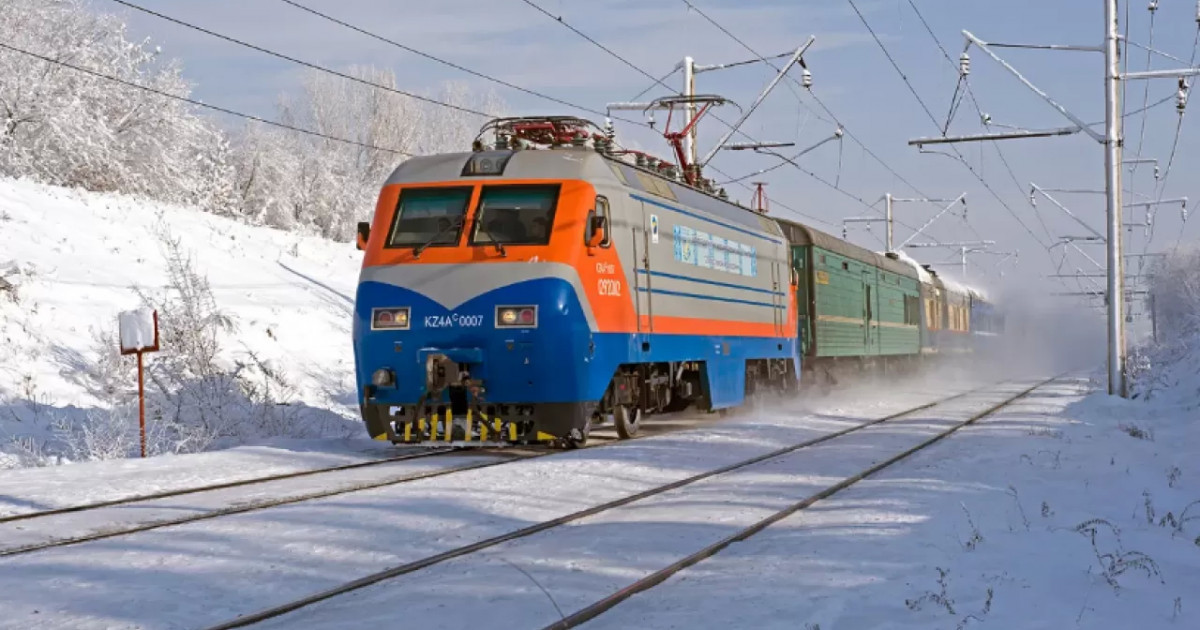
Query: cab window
point(429, 216)
point(515, 215)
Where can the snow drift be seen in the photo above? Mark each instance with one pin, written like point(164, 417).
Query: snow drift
point(255, 346)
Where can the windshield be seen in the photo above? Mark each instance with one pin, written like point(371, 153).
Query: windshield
point(429, 216)
point(515, 215)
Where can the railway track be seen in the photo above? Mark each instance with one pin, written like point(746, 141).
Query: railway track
point(504, 455)
point(249, 506)
point(658, 577)
point(612, 600)
point(212, 487)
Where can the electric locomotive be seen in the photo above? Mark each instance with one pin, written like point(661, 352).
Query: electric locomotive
point(547, 281)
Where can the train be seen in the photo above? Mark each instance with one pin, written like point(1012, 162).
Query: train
point(548, 282)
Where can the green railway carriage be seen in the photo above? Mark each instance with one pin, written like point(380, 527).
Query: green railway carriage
point(854, 303)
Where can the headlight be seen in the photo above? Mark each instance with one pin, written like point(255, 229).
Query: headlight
point(516, 317)
point(383, 377)
point(393, 318)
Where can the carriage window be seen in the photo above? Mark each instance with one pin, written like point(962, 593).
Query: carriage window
point(515, 215)
point(430, 216)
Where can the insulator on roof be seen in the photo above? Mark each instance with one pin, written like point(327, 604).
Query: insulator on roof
point(964, 64)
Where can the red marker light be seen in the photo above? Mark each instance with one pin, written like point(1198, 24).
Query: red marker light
point(385, 317)
point(527, 316)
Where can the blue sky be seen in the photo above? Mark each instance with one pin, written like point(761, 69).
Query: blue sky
point(512, 41)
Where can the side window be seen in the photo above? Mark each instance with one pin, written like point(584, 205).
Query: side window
point(601, 210)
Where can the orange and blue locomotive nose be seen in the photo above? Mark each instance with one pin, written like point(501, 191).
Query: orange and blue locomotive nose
point(514, 357)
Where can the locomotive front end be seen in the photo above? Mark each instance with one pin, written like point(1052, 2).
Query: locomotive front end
point(469, 324)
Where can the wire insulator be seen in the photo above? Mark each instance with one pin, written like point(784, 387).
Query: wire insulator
point(964, 64)
point(1182, 96)
point(806, 78)
point(1198, 11)
point(1153, 6)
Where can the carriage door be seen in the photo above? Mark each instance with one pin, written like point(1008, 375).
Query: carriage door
point(643, 300)
point(868, 314)
point(777, 302)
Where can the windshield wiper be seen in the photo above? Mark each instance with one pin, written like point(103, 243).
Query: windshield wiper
point(453, 226)
point(480, 228)
point(498, 244)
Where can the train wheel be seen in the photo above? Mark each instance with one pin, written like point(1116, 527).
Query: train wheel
point(628, 420)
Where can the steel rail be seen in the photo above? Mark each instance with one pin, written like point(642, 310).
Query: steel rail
point(520, 455)
point(219, 486)
point(253, 507)
point(591, 612)
point(417, 565)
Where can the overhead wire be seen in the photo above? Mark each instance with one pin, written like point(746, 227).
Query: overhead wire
point(660, 82)
point(208, 106)
point(656, 80)
point(301, 62)
point(832, 119)
point(1191, 63)
point(383, 87)
point(934, 120)
point(456, 66)
point(979, 110)
point(735, 38)
point(835, 185)
point(1153, 8)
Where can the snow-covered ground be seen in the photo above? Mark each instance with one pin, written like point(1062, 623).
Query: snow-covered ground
point(76, 258)
point(1069, 509)
point(1006, 509)
point(1049, 515)
point(205, 572)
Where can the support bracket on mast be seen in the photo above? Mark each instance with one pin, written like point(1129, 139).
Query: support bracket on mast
point(770, 86)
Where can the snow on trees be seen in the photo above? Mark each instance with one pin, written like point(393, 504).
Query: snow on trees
point(64, 127)
point(295, 181)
